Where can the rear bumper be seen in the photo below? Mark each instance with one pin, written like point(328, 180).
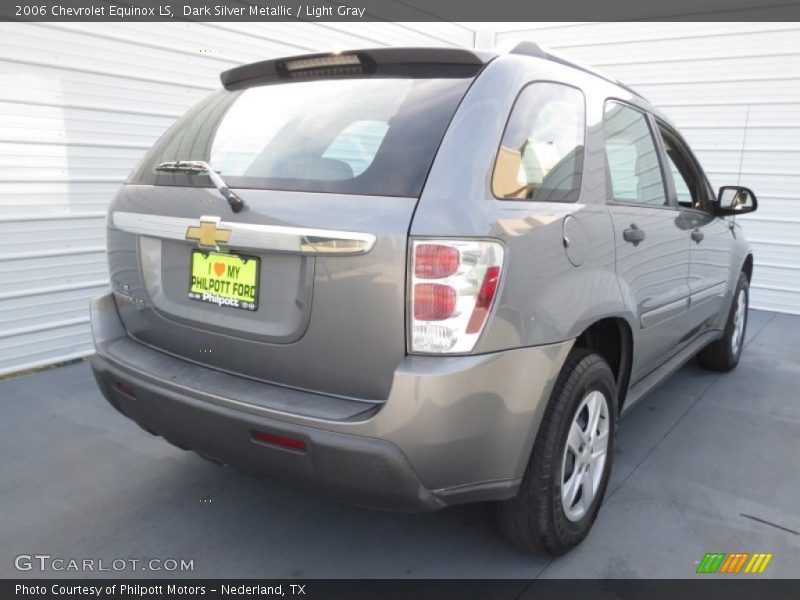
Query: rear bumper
point(353, 469)
point(453, 429)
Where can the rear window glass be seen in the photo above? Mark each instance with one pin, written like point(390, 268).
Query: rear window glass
point(351, 136)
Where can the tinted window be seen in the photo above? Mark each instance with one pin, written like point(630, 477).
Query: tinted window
point(358, 144)
point(691, 186)
point(541, 155)
point(354, 136)
point(633, 164)
point(682, 188)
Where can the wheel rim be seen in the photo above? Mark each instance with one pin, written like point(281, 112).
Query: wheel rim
point(738, 321)
point(585, 455)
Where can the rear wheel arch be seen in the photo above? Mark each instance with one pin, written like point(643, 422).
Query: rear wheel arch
point(537, 518)
point(611, 338)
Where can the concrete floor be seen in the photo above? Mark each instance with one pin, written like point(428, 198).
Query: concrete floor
point(78, 480)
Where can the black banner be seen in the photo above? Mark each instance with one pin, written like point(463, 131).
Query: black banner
point(540, 589)
point(396, 10)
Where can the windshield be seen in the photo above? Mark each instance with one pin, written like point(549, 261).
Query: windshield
point(351, 136)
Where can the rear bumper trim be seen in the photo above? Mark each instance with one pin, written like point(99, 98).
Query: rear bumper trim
point(231, 391)
point(352, 469)
point(453, 429)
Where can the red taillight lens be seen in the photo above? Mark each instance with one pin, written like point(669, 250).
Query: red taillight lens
point(433, 301)
point(279, 440)
point(485, 298)
point(435, 261)
point(453, 285)
point(125, 388)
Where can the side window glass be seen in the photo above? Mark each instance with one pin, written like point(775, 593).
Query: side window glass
point(682, 188)
point(541, 155)
point(632, 158)
point(689, 186)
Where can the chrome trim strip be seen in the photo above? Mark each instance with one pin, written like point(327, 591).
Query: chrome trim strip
point(273, 238)
point(171, 228)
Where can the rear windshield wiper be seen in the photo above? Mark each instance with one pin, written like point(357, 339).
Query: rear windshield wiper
point(201, 166)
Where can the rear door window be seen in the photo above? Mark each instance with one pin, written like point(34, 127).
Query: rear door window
point(632, 159)
point(691, 186)
point(541, 155)
point(375, 136)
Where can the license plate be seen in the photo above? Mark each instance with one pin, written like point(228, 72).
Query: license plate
point(224, 279)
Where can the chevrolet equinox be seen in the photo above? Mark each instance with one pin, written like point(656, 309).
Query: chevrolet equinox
point(413, 278)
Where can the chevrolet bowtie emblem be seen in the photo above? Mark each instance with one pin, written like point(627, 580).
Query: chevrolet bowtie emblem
point(208, 234)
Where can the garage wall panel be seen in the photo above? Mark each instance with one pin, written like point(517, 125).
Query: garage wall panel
point(734, 91)
point(79, 105)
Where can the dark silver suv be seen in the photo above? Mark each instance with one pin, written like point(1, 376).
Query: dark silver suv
point(411, 278)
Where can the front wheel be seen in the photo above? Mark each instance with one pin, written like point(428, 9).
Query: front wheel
point(567, 474)
point(723, 354)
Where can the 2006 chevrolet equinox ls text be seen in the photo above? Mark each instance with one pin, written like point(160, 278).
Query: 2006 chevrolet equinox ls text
point(413, 278)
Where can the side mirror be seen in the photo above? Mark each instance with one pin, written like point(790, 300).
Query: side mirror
point(735, 200)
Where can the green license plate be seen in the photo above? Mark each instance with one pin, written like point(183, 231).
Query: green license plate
point(224, 279)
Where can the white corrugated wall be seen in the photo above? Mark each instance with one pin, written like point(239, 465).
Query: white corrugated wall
point(79, 104)
point(734, 91)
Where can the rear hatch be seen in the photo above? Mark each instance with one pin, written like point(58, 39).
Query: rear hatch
point(305, 286)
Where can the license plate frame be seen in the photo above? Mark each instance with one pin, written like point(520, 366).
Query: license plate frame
point(208, 285)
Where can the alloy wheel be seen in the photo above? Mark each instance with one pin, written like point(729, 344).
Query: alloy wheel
point(738, 321)
point(585, 455)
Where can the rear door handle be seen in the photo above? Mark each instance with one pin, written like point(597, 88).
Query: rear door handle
point(697, 235)
point(634, 235)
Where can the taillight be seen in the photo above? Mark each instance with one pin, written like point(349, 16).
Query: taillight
point(453, 287)
point(433, 301)
point(485, 299)
point(435, 261)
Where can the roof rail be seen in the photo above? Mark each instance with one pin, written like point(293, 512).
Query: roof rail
point(527, 48)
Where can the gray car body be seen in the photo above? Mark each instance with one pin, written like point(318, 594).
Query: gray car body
point(385, 427)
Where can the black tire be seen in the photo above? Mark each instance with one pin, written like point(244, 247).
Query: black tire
point(535, 519)
point(721, 355)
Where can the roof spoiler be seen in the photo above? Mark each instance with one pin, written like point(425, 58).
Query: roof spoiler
point(440, 62)
point(533, 49)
